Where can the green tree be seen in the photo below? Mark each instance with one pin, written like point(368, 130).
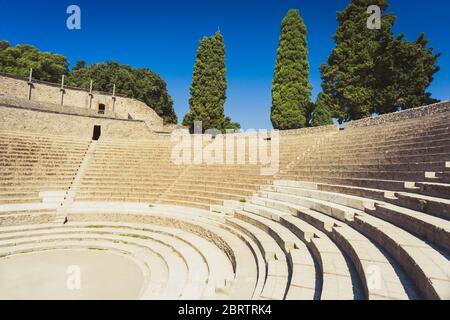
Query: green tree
point(198, 99)
point(4, 44)
point(79, 65)
point(370, 70)
point(322, 114)
point(209, 85)
point(404, 72)
point(291, 90)
point(141, 84)
point(18, 60)
point(349, 76)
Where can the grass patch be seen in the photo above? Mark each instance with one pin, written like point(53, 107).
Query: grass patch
point(97, 249)
point(423, 204)
point(138, 236)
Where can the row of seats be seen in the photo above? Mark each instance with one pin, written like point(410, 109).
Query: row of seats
point(360, 213)
point(407, 250)
point(34, 166)
point(151, 175)
point(187, 254)
point(290, 241)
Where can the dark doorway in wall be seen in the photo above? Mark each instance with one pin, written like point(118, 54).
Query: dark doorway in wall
point(97, 133)
point(101, 108)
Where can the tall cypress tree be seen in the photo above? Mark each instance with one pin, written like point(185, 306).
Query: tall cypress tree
point(322, 114)
point(291, 89)
point(198, 100)
point(371, 71)
point(209, 85)
point(218, 81)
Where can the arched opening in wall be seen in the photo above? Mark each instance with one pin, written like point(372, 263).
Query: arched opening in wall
point(101, 108)
point(97, 133)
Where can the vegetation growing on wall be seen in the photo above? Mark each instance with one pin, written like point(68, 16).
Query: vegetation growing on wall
point(141, 84)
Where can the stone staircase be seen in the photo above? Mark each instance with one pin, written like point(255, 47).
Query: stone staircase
point(61, 212)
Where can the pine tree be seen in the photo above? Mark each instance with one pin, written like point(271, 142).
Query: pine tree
point(322, 114)
point(291, 89)
point(404, 72)
point(370, 70)
point(209, 85)
point(349, 76)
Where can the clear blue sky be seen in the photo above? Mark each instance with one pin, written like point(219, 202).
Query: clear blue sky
point(163, 36)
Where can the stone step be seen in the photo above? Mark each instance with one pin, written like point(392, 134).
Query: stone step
point(354, 202)
point(277, 270)
point(366, 175)
point(356, 166)
point(429, 269)
point(302, 285)
point(439, 190)
point(187, 203)
point(356, 246)
point(280, 201)
point(425, 231)
point(443, 177)
point(377, 158)
point(432, 229)
point(437, 207)
point(268, 246)
point(336, 279)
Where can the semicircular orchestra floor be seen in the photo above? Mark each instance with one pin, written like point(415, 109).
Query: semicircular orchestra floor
point(90, 273)
point(133, 251)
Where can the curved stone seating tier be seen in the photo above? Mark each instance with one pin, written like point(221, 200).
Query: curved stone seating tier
point(403, 150)
point(33, 165)
point(358, 213)
point(203, 224)
point(151, 176)
point(194, 267)
point(375, 235)
point(179, 256)
point(26, 213)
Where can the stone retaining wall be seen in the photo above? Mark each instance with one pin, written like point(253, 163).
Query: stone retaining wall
point(48, 122)
point(40, 106)
point(401, 115)
point(51, 93)
point(310, 130)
